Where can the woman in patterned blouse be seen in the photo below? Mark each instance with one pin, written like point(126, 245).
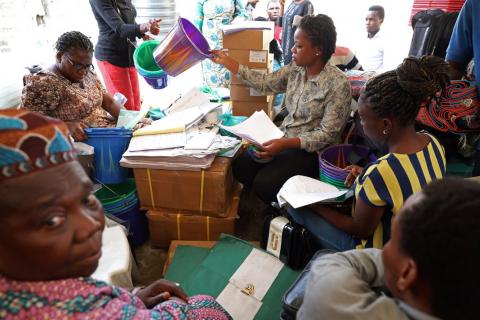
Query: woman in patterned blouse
point(70, 90)
point(318, 99)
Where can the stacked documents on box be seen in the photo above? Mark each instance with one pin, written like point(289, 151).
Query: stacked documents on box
point(257, 129)
point(179, 158)
point(185, 139)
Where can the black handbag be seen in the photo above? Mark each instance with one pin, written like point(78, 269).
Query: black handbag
point(290, 242)
point(293, 298)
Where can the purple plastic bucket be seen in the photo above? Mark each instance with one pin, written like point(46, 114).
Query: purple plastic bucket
point(328, 160)
point(183, 47)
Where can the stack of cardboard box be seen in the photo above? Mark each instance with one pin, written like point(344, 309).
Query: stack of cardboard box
point(189, 205)
point(250, 48)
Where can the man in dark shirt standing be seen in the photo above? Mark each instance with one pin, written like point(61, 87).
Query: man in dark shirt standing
point(114, 50)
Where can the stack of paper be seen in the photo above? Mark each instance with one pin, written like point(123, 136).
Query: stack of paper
point(197, 153)
point(182, 140)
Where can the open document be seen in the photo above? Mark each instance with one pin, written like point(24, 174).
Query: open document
point(300, 191)
point(257, 129)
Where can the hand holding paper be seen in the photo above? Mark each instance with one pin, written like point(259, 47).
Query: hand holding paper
point(257, 129)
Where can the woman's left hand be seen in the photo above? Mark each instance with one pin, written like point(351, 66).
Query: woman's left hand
point(271, 148)
point(160, 291)
point(142, 123)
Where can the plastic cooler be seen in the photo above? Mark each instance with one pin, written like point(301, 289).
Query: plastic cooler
point(121, 201)
point(109, 144)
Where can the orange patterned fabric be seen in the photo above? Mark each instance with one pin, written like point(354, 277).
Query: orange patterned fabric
point(55, 96)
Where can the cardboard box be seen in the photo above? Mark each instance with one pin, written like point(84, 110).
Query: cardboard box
point(201, 244)
point(166, 225)
point(255, 59)
point(249, 39)
point(247, 108)
point(240, 92)
point(206, 191)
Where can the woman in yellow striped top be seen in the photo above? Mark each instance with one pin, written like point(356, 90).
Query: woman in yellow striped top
point(387, 108)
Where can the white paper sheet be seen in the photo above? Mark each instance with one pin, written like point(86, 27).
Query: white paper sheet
point(193, 97)
point(247, 25)
point(259, 269)
point(300, 191)
point(200, 140)
point(157, 141)
point(238, 305)
point(257, 129)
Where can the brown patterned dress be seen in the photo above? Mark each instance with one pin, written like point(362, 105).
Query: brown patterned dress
point(54, 95)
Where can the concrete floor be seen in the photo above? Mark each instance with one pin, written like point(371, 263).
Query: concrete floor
point(150, 260)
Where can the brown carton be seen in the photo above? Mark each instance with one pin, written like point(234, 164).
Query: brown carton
point(247, 108)
point(166, 225)
point(256, 59)
point(241, 92)
point(206, 191)
point(248, 39)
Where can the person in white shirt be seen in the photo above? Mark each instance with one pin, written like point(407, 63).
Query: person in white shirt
point(371, 51)
point(429, 266)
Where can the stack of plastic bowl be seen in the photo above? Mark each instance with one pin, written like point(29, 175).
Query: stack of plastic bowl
point(121, 201)
point(333, 161)
point(146, 66)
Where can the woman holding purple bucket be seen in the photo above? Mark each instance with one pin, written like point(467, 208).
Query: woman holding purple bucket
point(387, 108)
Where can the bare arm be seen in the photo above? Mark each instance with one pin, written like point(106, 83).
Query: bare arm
point(109, 105)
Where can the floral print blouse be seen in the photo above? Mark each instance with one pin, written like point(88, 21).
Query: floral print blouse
point(86, 298)
point(318, 107)
point(55, 96)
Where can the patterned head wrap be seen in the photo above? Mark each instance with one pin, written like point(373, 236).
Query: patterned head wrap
point(30, 142)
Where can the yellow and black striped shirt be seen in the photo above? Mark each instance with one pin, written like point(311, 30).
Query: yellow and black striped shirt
point(390, 180)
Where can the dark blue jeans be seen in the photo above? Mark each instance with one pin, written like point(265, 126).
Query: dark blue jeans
point(327, 236)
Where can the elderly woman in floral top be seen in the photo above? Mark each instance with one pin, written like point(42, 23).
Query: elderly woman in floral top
point(318, 99)
point(69, 90)
point(51, 237)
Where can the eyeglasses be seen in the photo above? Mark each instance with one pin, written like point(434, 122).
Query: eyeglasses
point(79, 66)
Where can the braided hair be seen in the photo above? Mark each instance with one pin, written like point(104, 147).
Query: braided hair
point(321, 32)
point(73, 40)
point(400, 92)
point(440, 233)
